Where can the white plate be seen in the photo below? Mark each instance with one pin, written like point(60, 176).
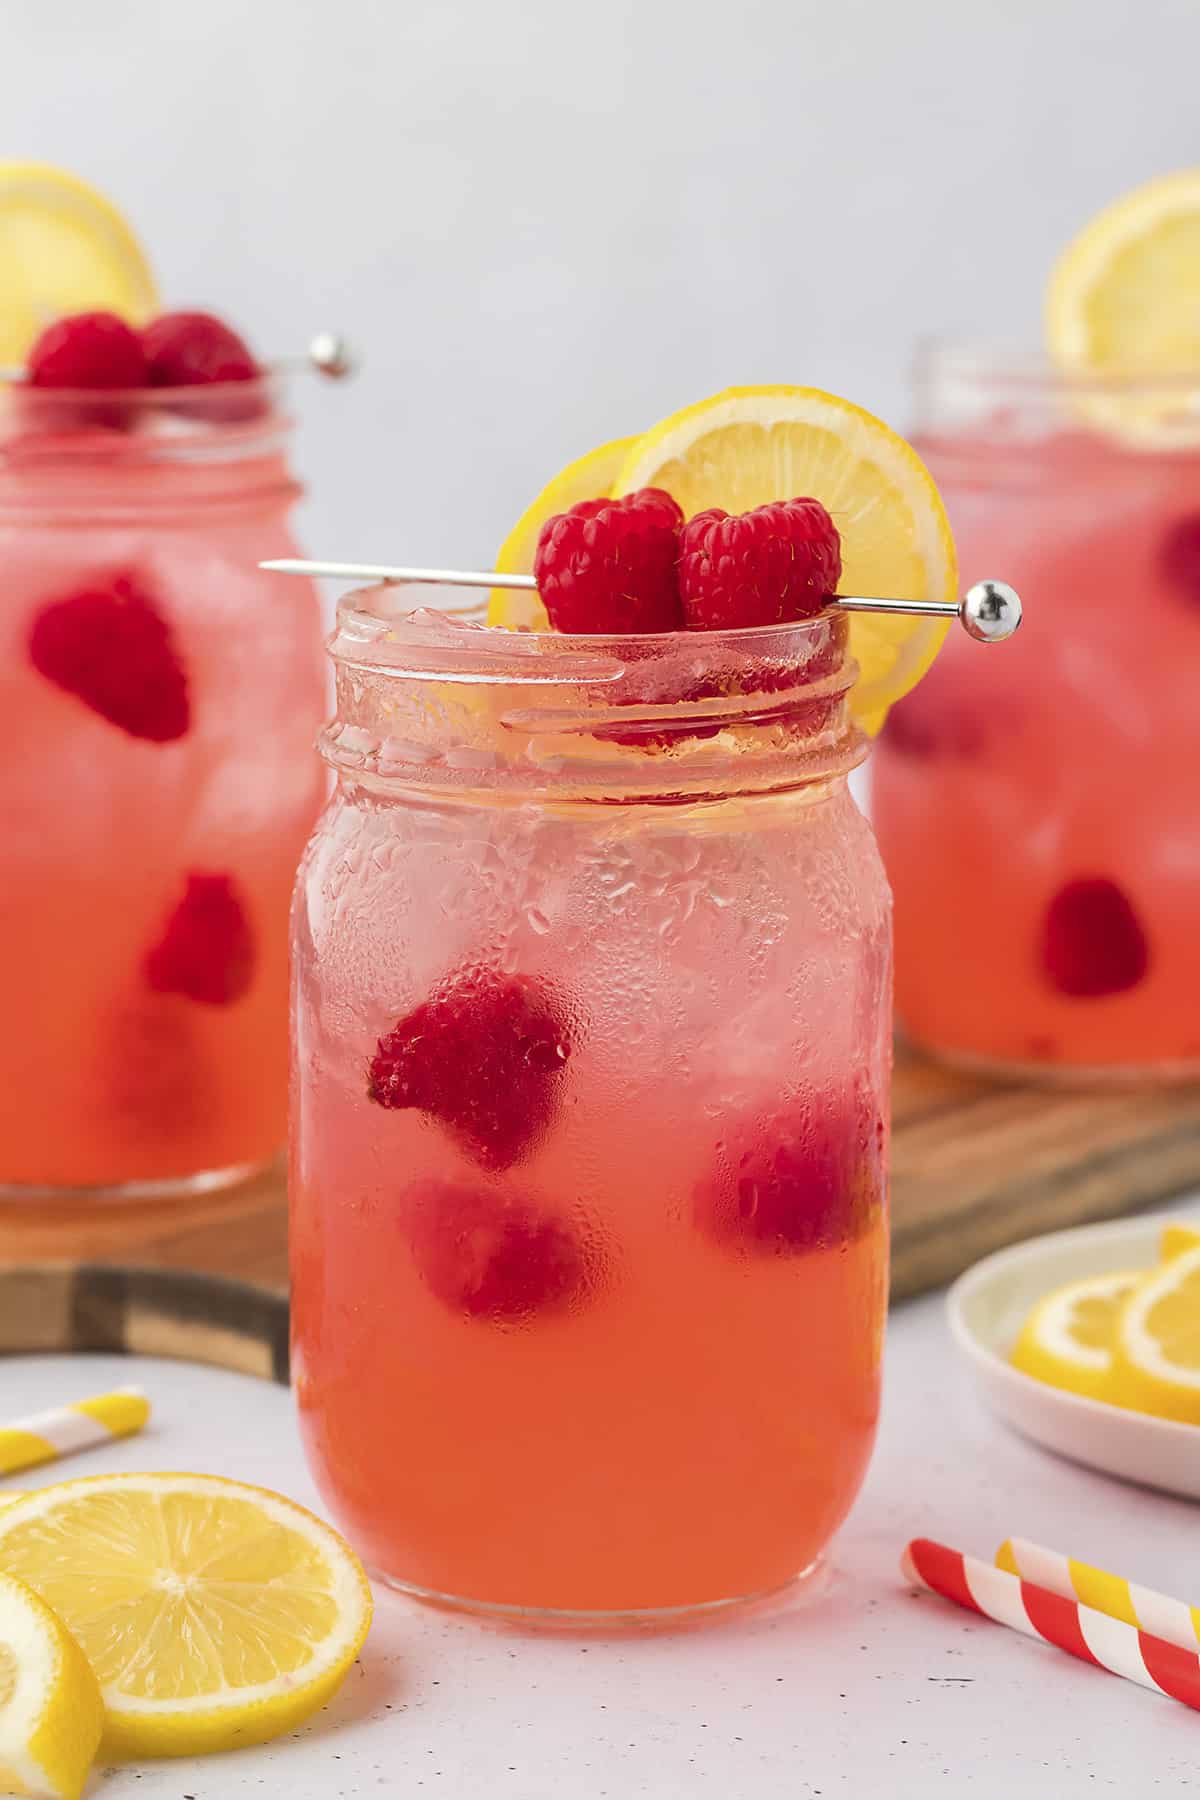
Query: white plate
point(987, 1307)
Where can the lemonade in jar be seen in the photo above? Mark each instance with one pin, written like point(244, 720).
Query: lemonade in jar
point(592, 1029)
point(159, 696)
point(1038, 814)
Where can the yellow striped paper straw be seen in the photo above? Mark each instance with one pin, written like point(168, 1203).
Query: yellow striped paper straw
point(1173, 1620)
point(46, 1436)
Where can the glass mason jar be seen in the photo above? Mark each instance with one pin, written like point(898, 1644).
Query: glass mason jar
point(591, 1059)
point(1040, 821)
point(159, 697)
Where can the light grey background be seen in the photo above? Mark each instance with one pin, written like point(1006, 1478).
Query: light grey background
point(548, 223)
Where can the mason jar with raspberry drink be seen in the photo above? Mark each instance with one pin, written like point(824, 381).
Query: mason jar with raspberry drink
point(160, 697)
point(1040, 821)
point(592, 1031)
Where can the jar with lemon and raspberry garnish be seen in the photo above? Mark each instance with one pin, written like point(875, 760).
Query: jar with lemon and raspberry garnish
point(1038, 814)
point(160, 699)
point(593, 1027)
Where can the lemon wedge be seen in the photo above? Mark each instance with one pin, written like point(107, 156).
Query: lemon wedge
point(51, 1713)
point(1156, 1367)
point(587, 478)
point(748, 445)
point(1176, 1239)
point(63, 248)
point(213, 1614)
point(1068, 1338)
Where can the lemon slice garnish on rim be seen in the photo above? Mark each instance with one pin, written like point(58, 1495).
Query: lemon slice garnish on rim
point(51, 1713)
point(64, 248)
point(213, 1614)
point(1157, 1347)
point(1068, 1338)
point(748, 445)
point(1124, 301)
point(587, 478)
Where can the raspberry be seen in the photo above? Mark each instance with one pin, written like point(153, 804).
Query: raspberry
point(484, 1055)
point(767, 567)
point(88, 350)
point(609, 565)
point(194, 349)
point(490, 1255)
point(807, 1179)
point(111, 647)
point(206, 951)
point(190, 349)
point(1092, 940)
point(1180, 555)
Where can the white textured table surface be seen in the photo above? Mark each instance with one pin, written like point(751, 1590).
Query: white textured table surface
point(861, 1689)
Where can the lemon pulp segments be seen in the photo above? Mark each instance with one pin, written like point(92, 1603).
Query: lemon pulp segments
point(1157, 1362)
point(51, 1713)
point(1068, 1338)
point(213, 1613)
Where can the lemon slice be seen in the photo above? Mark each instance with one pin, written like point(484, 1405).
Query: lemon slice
point(51, 1713)
point(587, 478)
point(1176, 1239)
point(1157, 1351)
point(1123, 300)
point(214, 1614)
point(63, 248)
point(1068, 1338)
point(748, 445)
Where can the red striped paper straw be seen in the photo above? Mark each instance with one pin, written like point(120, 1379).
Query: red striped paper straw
point(1149, 1610)
point(1081, 1631)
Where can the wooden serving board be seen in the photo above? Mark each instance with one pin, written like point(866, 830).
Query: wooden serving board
point(975, 1165)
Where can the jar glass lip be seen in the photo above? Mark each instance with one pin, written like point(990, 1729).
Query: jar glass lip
point(392, 627)
point(44, 430)
point(1010, 367)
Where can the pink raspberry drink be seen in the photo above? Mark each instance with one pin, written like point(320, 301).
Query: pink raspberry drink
point(592, 1046)
point(1036, 814)
point(160, 697)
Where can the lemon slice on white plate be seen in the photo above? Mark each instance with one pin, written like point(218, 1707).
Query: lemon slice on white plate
point(64, 248)
point(749, 445)
point(214, 1614)
point(1068, 1338)
point(51, 1713)
point(1157, 1347)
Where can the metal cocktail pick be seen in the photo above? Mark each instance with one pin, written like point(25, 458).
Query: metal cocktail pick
point(328, 354)
point(989, 612)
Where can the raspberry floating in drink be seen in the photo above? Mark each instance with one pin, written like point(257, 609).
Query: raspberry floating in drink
point(484, 1056)
point(491, 1255)
point(110, 646)
point(1093, 942)
point(1181, 557)
point(207, 950)
point(808, 1178)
